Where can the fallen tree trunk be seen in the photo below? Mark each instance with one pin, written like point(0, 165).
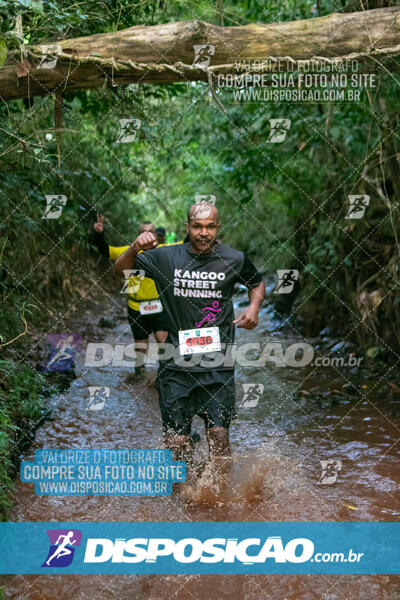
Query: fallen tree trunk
point(165, 53)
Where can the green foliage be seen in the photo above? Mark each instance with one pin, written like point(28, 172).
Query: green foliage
point(21, 409)
point(282, 203)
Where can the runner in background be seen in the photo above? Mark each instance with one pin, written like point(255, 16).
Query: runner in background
point(160, 231)
point(145, 311)
point(171, 237)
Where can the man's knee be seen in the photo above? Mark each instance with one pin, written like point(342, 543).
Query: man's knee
point(161, 336)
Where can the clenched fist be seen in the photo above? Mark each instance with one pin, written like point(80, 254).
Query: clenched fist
point(145, 241)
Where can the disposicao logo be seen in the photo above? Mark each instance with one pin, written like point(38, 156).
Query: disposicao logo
point(191, 550)
point(61, 551)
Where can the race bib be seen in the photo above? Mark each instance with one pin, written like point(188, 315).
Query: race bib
point(199, 341)
point(150, 306)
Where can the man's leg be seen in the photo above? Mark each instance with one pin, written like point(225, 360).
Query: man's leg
point(160, 327)
point(218, 408)
point(182, 449)
point(218, 441)
point(216, 476)
point(180, 444)
point(139, 326)
point(176, 412)
point(140, 346)
point(161, 338)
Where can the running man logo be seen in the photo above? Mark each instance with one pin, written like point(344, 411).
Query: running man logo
point(133, 280)
point(129, 129)
point(97, 397)
point(287, 279)
point(202, 210)
point(50, 54)
point(279, 129)
point(210, 314)
point(202, 55)
point(208, 198)
point(330, 471)
point(357, 207)
point(54, 207)
point(63, 347)
point(61, 551)
point(251, 394)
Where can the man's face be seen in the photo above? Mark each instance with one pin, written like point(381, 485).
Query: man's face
point(202, 229)
point(147, 227)
point(161, 238)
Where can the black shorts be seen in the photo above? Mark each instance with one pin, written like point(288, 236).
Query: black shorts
point(143, 325)
point(184, 394)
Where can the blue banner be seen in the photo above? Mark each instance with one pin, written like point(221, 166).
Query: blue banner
point(201, 547)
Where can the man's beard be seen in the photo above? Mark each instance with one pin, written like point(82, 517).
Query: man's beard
point(205, 245)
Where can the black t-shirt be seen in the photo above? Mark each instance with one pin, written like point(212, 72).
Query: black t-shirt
point(192, 286)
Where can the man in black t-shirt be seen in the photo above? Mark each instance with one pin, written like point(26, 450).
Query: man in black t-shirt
point(195, 281)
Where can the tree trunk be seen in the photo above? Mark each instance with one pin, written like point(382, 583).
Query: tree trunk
point(165, 53)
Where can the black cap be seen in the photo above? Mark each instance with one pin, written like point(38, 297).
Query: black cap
point(161, 230)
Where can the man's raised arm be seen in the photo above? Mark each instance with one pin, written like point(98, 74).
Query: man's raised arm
point(145, 241)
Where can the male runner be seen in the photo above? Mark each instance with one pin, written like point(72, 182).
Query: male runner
point(145, 311)
point(161, 233)
point(195, 281)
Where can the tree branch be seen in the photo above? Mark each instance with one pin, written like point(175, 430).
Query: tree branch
point(164, 53)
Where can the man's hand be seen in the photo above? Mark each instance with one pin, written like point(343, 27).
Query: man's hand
point(99, 225)
point(247, 319)
point(145, 241)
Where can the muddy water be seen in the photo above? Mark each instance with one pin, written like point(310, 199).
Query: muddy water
point(304, 415)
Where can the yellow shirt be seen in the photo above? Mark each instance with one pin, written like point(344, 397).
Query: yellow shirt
point(147, 288)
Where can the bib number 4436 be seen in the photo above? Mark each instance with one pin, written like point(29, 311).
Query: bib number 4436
point(199, 341)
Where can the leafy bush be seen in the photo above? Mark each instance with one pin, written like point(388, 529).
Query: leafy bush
point(22, 408)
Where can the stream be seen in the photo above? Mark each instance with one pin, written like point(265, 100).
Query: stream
point(303, 416)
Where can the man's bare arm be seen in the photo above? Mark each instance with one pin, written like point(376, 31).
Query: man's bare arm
point(256, 295)
point(144, 241)
point(249, 318)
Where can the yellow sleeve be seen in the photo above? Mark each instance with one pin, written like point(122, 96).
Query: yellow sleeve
point(170, 244)
point(116, 251)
